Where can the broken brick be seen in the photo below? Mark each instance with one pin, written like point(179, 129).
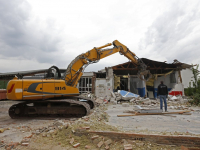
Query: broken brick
point(87, 147)
point(76, 145)
point(108, 142)
point(71, 141)
point(65, 126)
point(95, 137)
point(87, 128)
point(24, 144)
point(100, 144)
point(29, 136)
point(107, 147)
point(25, 140)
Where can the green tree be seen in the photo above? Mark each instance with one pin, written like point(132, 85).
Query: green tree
point(195, 91)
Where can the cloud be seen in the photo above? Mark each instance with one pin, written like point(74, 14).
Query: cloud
point(175, 34)
point(38, 34)
point(25, 37)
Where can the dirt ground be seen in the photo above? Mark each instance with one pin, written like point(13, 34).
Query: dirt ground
point(59, 134)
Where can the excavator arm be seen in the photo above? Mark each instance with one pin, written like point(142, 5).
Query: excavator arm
point(76, 67)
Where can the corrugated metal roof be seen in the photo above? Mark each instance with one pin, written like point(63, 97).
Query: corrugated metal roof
point(25, 73)
point(22, 72)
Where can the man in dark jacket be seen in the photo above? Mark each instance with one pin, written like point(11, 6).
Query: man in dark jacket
point(163, 92)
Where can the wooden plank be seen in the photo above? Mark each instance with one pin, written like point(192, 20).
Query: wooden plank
point(176, 112)
point(125, 115)
point(163, 113)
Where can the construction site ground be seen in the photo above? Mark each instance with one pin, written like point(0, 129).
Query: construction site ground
point(79, 133)
point(172, 123)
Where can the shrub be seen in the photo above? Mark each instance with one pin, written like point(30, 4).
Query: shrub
point(194, 92)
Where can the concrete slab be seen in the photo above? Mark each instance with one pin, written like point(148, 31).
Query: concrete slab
point(154, 123)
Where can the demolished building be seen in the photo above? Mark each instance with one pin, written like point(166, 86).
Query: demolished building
point(124, 76)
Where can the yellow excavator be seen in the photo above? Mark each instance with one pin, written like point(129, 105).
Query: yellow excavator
point(60, 96)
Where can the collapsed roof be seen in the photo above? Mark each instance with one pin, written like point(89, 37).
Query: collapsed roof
point(155, 67)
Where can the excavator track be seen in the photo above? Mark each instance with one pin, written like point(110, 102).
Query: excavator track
point(66, 108)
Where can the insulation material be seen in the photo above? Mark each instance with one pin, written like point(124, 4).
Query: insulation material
point(165, 73)
point(150, 82)
point(127, 94)
point(116, 81)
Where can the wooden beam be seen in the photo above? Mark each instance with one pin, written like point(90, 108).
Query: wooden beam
point(163, 113)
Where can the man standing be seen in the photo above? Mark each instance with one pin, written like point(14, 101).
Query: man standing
point(163, 92)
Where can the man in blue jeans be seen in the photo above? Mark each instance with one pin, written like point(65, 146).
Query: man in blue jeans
point(163, 92)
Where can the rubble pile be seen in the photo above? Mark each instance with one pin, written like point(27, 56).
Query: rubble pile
point(174, 102)
point(88, 95)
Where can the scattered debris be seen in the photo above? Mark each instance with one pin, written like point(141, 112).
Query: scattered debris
point(67, 132)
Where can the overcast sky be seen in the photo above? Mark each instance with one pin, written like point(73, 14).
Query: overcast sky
point(36, 34)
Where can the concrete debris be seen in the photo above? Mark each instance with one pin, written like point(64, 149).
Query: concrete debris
point(125, 104)
point(140, 144)
point(149, 111)
point(137, 107)
point(174, 102)
point(113, 102)
point(174, 98)
point(113, 95)
point(99, 101)
point(87, 95)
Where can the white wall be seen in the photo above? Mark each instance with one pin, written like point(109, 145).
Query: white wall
point(104, 86)
point(187, 75)
point(166, 80)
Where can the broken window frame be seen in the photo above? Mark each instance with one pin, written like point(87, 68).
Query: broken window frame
point(85, 85)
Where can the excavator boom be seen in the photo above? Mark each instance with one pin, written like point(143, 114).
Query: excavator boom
point(77, 66)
